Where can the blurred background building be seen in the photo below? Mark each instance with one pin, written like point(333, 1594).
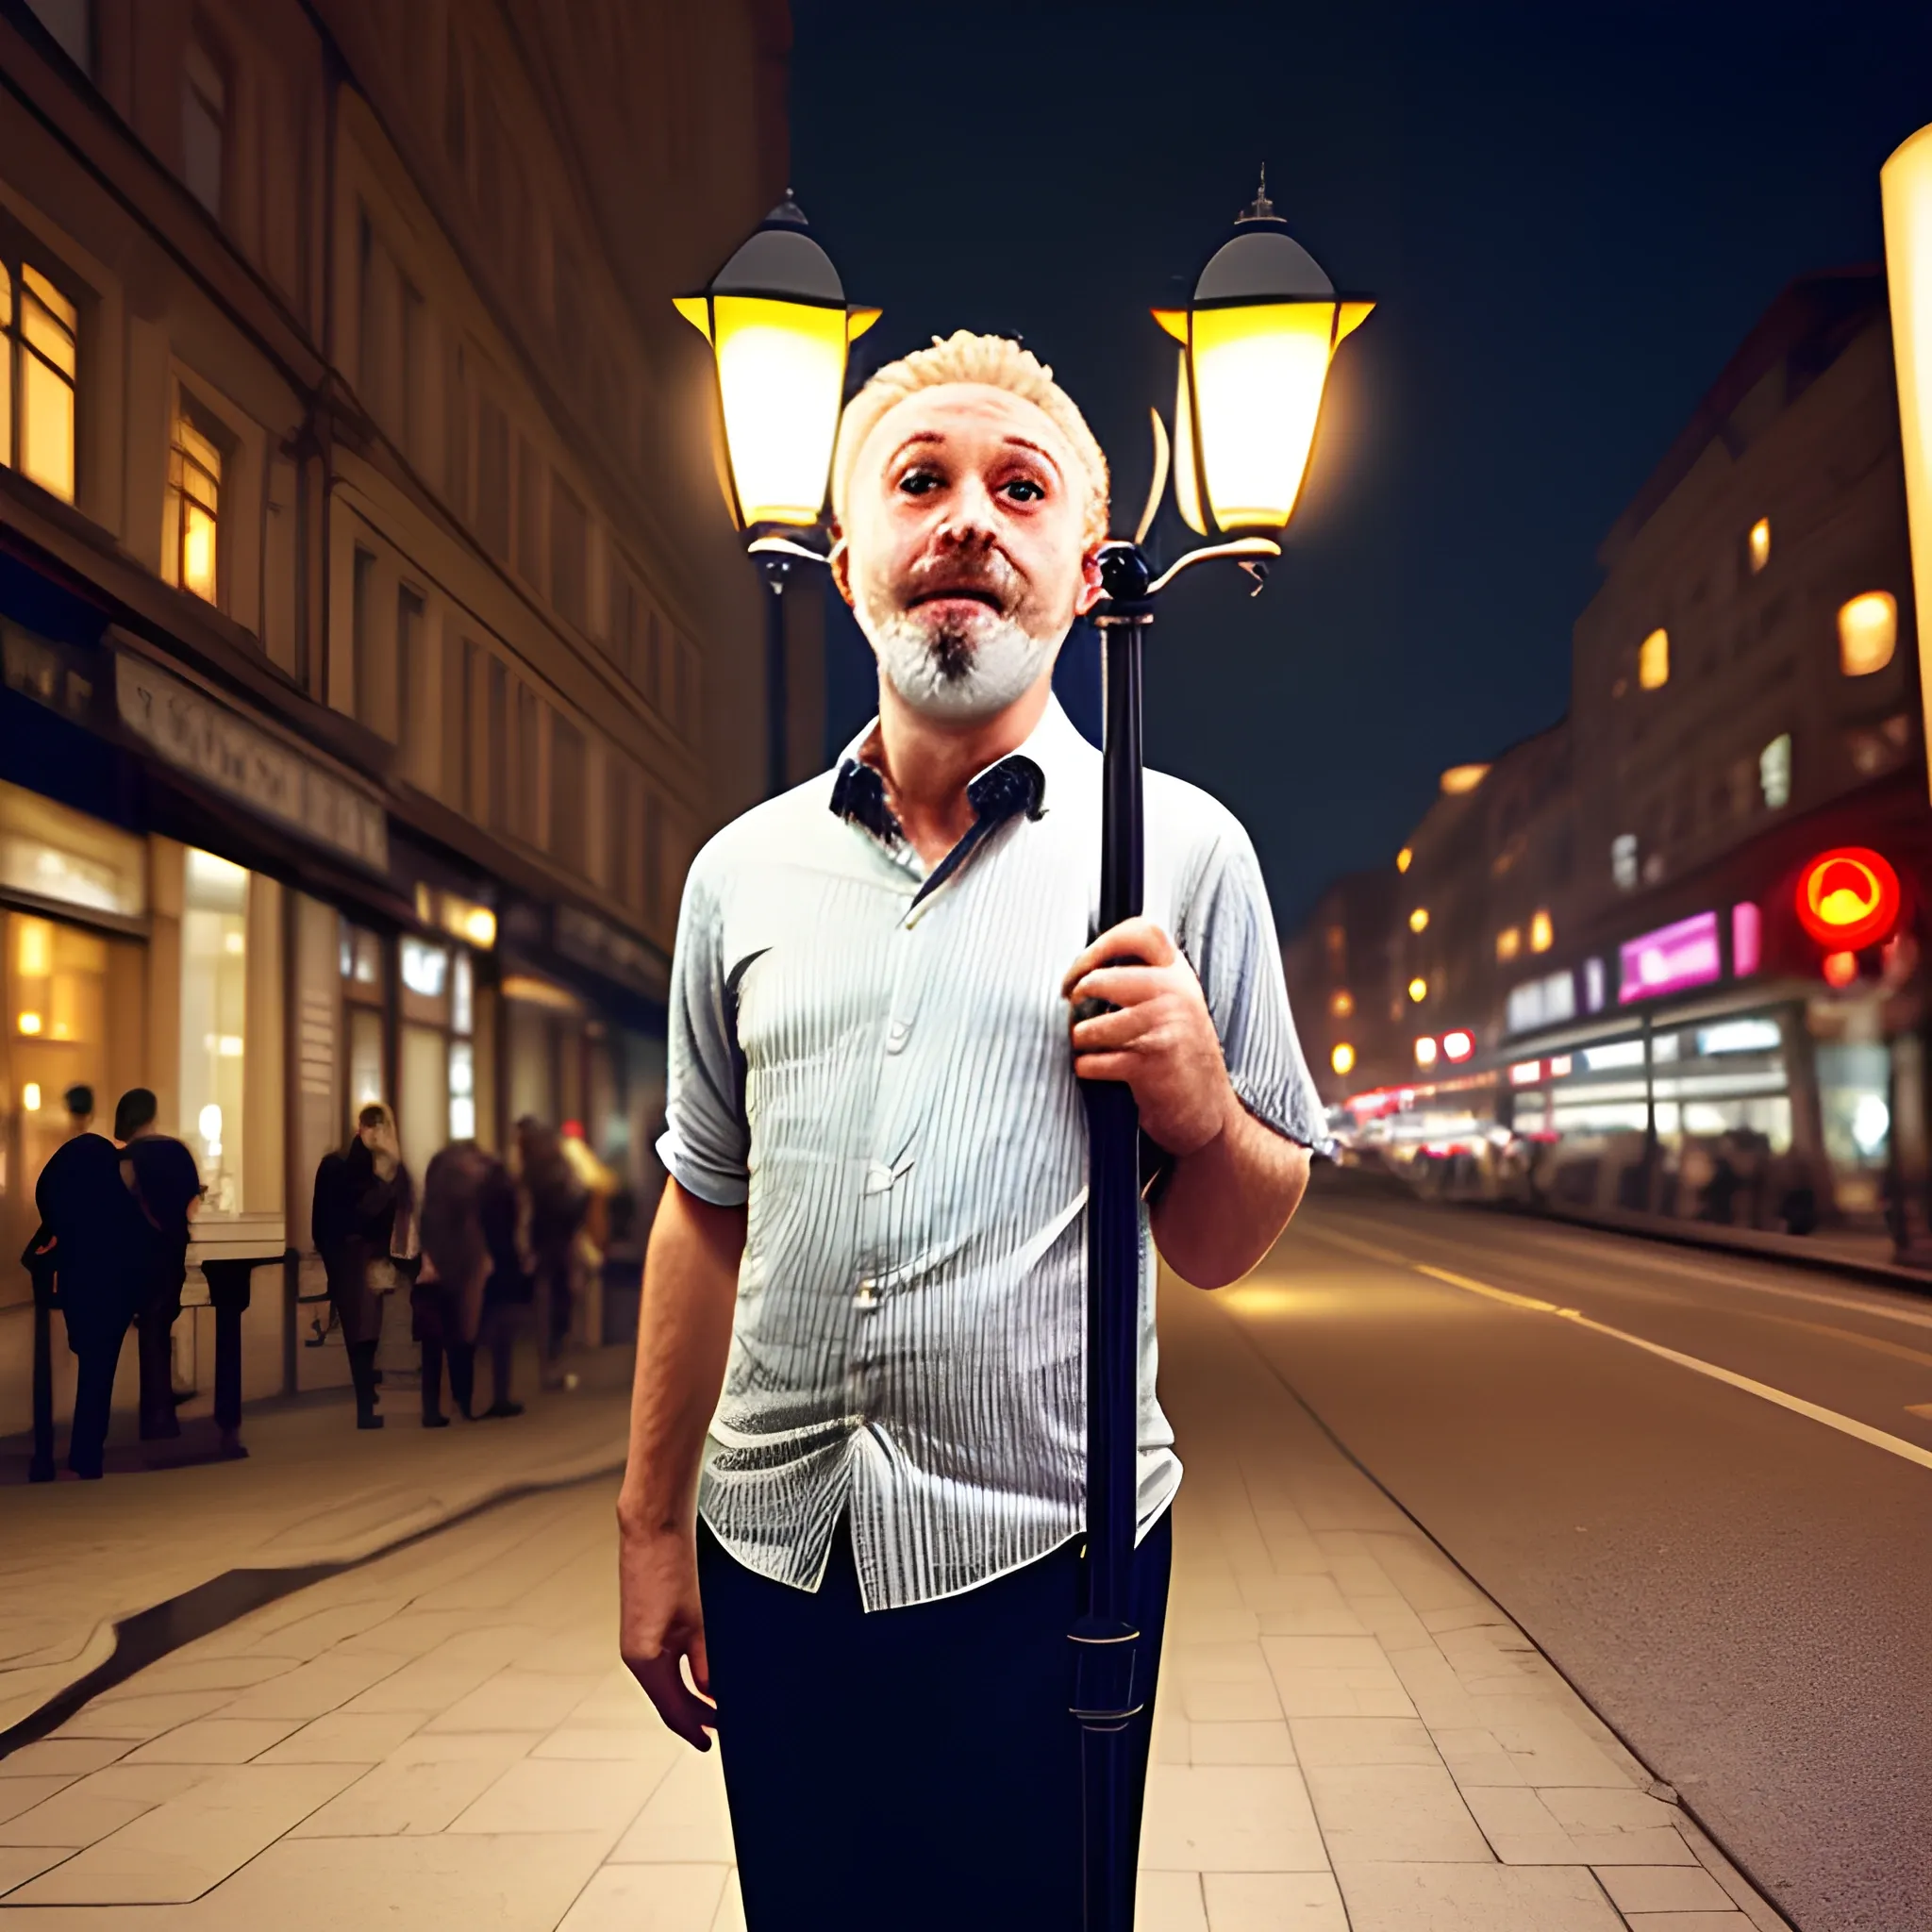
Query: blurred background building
point(375, 656)
point(1606, 995)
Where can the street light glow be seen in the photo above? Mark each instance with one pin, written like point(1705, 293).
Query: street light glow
point(1425, 1052)
point(1403, 859)
point(1342, 1059)
point(1418, 989)
point(1418, 920)
point(1905, 192)
point(1866, 632)
point(1760, 544)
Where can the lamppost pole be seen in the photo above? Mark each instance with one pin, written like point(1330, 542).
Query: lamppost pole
point(774, 572)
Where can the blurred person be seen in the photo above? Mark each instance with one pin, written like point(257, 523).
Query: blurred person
point(90, 1242)
point(854, 1502)
point(362, 1224)
point(79, 1103)
point(508, 1290)
point(160, 1173)
point(462, 1190)
point(556, 1204)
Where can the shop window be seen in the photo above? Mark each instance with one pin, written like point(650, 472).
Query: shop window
point(1542, 934)
point(204, 125)
point(194, 503)
point(42, 333)
point(1867, 633)
point(364, 992)
point(58, 855)
point(462, 1090)
point(1654, 661)
point(214, 1008)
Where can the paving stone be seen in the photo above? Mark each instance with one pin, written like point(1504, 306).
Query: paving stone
point(1473, 1898)
point(1393, 1812)
point(1216, 1818)
point(649, 1898)
point(18, 1863)
point(91, 1807)
point(345, 1737)
point(62, 1756)
point(216, 1741)
point(18, 1795)
point(1273, 1902)
point(424, 1785)
point(1363, 1741)
point(564, 1794)
point(1169, 1902)
point(686, 1818)
point(1239, 1743)
point(1659, 1888)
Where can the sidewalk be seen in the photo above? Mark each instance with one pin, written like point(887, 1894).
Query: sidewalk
point(79, 1558)
point(1350, 1738)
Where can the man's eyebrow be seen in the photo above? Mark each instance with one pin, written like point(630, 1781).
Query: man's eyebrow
point(1045, 455)
point(918, 437)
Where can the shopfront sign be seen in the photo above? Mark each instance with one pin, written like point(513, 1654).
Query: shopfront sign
point(1670, 959)
point(230, 756)
point(1848, 898)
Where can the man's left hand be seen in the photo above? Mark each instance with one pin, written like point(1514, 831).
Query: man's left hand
point(1161, 1041)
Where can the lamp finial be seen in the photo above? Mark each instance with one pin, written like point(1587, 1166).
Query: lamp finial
point(787, 212)
point(1260, 209)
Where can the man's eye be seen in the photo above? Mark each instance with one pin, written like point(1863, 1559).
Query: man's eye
point(918, 482)
point(1025, 489)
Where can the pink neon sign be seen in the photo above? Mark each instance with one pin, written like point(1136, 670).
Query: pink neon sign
point(1669, 959)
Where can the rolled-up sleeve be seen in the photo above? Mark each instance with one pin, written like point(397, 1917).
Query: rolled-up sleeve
point(707, 1143)
point(1229, 935)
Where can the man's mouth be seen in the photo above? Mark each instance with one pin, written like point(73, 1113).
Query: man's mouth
point(959, 593)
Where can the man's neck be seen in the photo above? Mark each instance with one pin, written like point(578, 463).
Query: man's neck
point(928, 762)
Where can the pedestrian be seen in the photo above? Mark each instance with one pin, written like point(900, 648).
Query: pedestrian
point(362, 1224)
point(79, 1103)
point(509, 1291)
point(447, 1299)
point(160, 1173)
point(90, 1240)
point(555, 1204)
point(854, 1495)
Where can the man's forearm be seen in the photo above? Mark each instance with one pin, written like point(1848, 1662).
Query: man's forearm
point(1224, 1206)
point(684, 1335)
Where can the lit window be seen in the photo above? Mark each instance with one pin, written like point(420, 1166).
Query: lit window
point(214, 1011)
point(1867, 631)
point(1403, 859)
point(1342, 1059)
point(424, 968)
point(1654, 661)
point(1760, 544)
point(42, 332)
point(1418, 920)
point(1343, 1005)
point(1541, 932)
point(1623, 860)
point(1508, 943)
point(204, 127)
point(1425, 1052)
point(1418, 989)
point(1774, 771)
point(194, 483)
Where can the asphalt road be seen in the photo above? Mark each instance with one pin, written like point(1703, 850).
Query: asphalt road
point(1741, 1589)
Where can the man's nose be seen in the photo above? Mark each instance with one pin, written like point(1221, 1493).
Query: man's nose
point(969, 522)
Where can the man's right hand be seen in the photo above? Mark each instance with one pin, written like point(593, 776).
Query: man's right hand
point(660, 1623)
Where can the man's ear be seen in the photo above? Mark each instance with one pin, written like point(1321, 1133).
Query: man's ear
point(840, 561)
point(1091, 589)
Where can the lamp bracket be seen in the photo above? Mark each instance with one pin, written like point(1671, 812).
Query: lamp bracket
point(1248, 551)
point(784, 546)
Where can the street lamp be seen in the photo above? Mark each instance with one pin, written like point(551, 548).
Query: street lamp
point(779, 325)
point(1905, 188)
point(1256, 346)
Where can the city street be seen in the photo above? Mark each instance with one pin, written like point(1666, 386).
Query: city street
point(1351, 1737)
point(1737, 1587)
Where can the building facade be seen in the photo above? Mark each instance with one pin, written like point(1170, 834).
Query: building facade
point(1641, 1022)
point(374, 650)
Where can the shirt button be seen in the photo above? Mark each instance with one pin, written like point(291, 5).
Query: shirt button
point(895, 1036)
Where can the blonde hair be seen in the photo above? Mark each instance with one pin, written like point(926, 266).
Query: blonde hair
point(997, 361)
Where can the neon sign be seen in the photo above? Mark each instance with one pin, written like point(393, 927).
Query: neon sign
point(1669, 959)
point(1848, 898)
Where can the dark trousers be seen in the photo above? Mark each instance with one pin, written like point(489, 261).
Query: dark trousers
point(916, 1766)
point(97, 1356)
point(155, 1333)
point(462, 1375)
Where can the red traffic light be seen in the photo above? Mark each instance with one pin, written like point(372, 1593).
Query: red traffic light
point(1848, 898)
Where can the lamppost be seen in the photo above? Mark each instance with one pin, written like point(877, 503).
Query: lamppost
point(1905, 188)
point(778, 324)
point(1255, 340)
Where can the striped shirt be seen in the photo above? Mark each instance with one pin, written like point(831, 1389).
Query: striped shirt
point(874, 1057)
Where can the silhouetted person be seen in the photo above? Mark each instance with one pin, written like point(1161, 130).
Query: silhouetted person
point(364, 1205)
point(79, 1103)
point(556, 1203)
point(159, 1174)
point(448, 1308)
point(91, 1237)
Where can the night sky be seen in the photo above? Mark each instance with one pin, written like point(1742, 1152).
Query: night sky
point(1570, 214)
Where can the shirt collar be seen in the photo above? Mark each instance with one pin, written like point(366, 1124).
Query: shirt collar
point(1025, 780)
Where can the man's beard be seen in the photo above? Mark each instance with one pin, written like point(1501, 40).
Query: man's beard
point(959, 672)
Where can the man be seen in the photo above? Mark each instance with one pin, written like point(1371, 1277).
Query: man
point(79, 1103)
point(158, 1172)
point(872, 1239)
point(93, 1240)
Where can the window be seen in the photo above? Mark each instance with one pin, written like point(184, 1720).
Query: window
point(654, 857)
point(654, 664)
point(1654, 661)
point(71, 23)
point(1867, 633)
point(1542, 934)
point(194, 488)
point(502, 778)
point(456, 430)
point(617, 840)
point(1774, 771)
point(1508, 943)
point(37, 399)
point(567, 795)
point(1623, 860)
point(493, 479)
point(529, 723)
point(414, 723)
point(214, 1010)
point(530, 513)
point(204, 125)
point(364, 656)
point(1759, 544)
point(684, 700)
point(570, 543)
point(462, 776)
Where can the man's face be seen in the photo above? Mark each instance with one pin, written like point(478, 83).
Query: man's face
point(963, 556)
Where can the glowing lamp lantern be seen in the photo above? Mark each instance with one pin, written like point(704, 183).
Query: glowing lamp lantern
point(1459, 1045)
point(1848, 898)
point(1425, 1050)
point(1255, 340)
point(1905, 192)
point(778, 324)
point(1342, 1059)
